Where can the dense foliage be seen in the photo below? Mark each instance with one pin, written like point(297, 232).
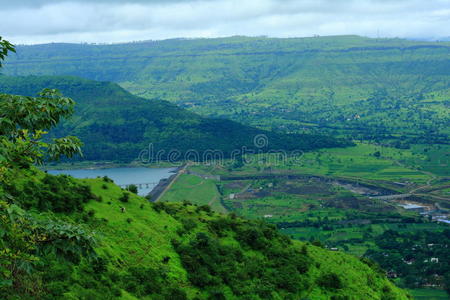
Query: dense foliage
point(217, 266)
point(420, 258)
point(28, 240)
point(355, 86)
point(51, 193)
point(115, 125)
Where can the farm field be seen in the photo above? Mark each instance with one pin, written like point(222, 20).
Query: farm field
point(364, 161)
point(194, 189)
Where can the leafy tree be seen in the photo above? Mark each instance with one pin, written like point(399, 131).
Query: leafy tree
point(5, 47)
point(133, 188)
point(125, 197)
point(23, 121)
point(25, 239)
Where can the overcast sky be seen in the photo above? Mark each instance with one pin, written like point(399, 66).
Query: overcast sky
point(42, 21)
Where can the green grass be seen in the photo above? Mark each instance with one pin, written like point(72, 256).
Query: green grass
point(360, 162)
point(142, 242)
point(429, 294)
point(146, 239)
point(196, 190)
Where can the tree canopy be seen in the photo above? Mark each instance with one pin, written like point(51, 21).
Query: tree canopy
point(25, 238)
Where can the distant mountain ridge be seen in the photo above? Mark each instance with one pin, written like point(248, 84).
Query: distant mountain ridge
point(115, 125)
point(392, 90)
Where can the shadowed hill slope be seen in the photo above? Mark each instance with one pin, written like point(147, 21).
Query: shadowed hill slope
point(116, 125)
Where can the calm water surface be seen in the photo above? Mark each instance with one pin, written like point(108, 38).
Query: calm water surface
point(124, 176)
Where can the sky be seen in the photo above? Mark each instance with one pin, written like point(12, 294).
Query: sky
point(113, 21)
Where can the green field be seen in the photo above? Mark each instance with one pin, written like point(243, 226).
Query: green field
point(358, 162)
point(196, 190)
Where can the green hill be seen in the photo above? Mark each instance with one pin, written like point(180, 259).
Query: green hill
point(168, 251)
point(62, 238)
point(391, 90)
point(115, 125)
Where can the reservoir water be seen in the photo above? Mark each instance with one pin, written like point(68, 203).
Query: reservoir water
point(147, 177)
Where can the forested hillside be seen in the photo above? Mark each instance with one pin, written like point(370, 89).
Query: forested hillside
point(366, 88)
point(62, 238)
point(115, 125)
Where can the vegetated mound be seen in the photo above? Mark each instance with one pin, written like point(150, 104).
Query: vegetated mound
point(143, 250)
point(115, 125)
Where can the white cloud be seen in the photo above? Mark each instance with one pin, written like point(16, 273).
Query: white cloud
point(116, 21)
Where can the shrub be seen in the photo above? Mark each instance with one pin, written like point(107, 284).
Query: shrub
point(188, 224)
point(125, 197)
point(176, 294)
point(330, 281)
point(253, 238)
point(187, 203)
point(159, 206)
point(132, 188)
point(318, 244)
point(107, 179)
point(56, 193)
point(143, 281)
point(204, 208)
point(304, 250)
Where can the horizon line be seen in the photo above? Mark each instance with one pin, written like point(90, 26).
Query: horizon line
point(418, 39)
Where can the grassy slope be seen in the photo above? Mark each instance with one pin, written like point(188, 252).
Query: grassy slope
point(146, 240)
